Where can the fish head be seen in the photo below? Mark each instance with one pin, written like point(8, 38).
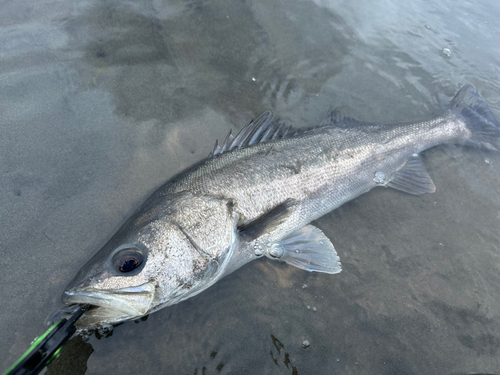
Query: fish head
point(170, 250)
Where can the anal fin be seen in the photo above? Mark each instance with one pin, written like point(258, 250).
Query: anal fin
point(412, 178)
point(307, 248)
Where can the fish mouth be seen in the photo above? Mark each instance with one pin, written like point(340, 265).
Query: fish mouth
point(111, 306)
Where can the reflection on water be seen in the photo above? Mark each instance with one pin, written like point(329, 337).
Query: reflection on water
point(101, 102)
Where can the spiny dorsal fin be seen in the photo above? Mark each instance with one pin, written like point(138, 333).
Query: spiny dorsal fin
point(265, 129)
point(260, 130)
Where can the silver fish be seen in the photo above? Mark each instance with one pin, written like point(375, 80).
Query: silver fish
point(254, 196)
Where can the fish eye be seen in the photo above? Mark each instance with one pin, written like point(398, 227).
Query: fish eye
point(127, 260)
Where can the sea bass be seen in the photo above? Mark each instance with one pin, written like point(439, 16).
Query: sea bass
point(255, 196)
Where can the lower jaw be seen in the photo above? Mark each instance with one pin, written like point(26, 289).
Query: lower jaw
point(97, 316)
point(113, 305)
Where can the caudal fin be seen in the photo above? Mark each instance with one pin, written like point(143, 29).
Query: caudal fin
point(478, 117)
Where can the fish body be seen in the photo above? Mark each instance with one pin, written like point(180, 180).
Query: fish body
point(254, 196)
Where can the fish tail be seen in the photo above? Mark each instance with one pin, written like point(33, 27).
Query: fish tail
point(475, 112)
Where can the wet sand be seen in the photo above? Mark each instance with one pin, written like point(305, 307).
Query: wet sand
point(101, 102)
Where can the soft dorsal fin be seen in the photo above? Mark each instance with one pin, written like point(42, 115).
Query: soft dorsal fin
point(338, 117)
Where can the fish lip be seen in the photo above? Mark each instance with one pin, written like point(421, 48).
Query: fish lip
point(131, 301)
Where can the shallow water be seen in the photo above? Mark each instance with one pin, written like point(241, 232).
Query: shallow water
point(102, 101)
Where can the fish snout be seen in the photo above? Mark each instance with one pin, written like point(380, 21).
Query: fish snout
point(111, 305)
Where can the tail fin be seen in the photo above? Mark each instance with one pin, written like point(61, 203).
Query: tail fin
point(478, 117)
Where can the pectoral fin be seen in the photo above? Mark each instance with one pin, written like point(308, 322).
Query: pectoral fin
point(413, 178)
point(267, 222)
point(307, 248)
